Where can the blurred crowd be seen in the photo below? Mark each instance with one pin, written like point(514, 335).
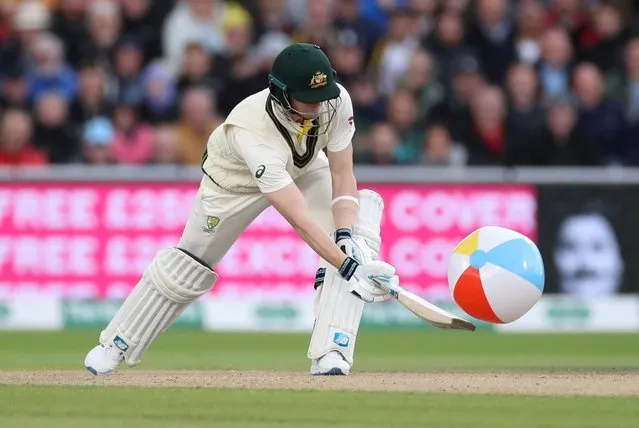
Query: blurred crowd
point(433, 82)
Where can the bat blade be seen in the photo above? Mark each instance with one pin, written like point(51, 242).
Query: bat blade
point(433, 314)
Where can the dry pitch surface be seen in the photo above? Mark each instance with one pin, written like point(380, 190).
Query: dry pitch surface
point(595, 384)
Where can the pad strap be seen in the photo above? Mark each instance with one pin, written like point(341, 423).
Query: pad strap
point(348, 268)
point(343, 233)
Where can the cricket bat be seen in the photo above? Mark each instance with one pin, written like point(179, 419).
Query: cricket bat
point(426, 310)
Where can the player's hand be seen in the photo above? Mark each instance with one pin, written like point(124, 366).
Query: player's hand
point(370, 281)
point(368, 240)
point(346, 243)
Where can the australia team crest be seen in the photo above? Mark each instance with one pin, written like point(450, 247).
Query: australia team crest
point(211, 224)
point(318, 80)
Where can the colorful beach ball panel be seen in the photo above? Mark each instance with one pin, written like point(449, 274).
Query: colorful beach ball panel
point(496, 274)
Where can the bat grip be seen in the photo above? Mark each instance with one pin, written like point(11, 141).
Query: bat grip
point(392, 287)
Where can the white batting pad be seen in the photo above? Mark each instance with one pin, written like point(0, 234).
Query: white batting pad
point(172, 281)
point(337, 317)
point(371, 208)
point(337, 312)
point(368, 227)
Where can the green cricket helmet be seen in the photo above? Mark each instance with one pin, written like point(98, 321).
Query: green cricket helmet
point(303, 72)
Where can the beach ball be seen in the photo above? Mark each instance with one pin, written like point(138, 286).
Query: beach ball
point(496, 274)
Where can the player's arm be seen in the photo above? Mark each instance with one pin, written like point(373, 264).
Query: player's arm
point(290, 203)
point(369, 279)
point(340, 157)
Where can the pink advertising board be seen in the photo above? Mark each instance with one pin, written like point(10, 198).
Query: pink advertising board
point(94, 240)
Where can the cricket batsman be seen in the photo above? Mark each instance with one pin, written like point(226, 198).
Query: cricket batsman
point(270, 152)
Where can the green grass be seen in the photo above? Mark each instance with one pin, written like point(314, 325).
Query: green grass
point(387, 351)
point(27, 407)
point(106, 407)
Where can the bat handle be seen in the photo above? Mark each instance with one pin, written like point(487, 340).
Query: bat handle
point(392, 287)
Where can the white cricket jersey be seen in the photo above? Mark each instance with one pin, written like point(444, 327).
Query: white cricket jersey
point(252, 151)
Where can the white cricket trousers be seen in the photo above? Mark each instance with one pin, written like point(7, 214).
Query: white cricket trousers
point(236, 211)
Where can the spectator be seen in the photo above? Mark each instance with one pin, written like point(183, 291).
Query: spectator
point(16, 148)
point(198, 118)
point(294, 9)
point(402, 115)
point(368, 104)
point(248, 67)
point(49, 72)
point(272, 16)
point(348, 57)
point(199, 68)
point(560, 142)
point(142, 21)
point(248, 71)
point(556, 62)
point(349, 19)
point(439, 149)
point(93, 98)
point(607, 54)
point(378, 12)
point(564, 143)
point(383, 144)
point(421, 80)
point(30, 20)
point(133, 142)
point(574, 19)
point(159, 103)
point(128, 60)
point(492, 35)
point(97, 142)
point(238, 32)
point(165, 146)
point(529, 29)
point(453, 111)
point(600, 117)
point(247, 75)
point(446, 43)
point(191, 21)
point(269, 46)
point(105, 28)
point(425, 11)
point(393, 51)
point(488, 139)
point(70, 25)
point(14, 88)
point(318, 27)
point(54, 134)
point(525, 116)
point(413, 65)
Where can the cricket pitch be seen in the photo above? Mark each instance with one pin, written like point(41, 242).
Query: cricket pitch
point(511, 383)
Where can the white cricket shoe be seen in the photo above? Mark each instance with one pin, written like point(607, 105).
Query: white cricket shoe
point(331, 364)
point(103, 359)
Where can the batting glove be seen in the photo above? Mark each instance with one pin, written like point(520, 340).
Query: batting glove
point(346, 243)
point(369, 281)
